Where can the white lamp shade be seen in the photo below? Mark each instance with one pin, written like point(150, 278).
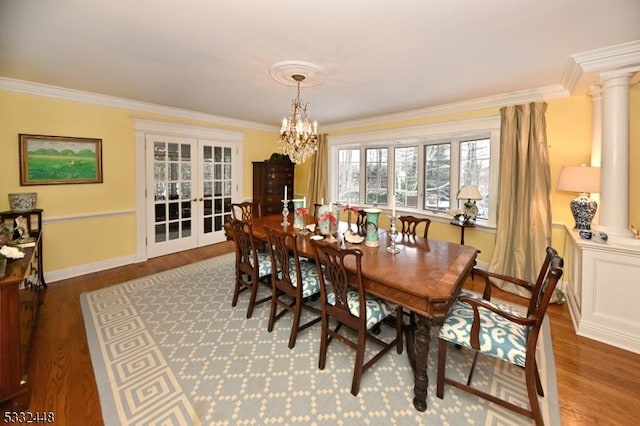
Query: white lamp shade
point(469, 192)
point(581, 179)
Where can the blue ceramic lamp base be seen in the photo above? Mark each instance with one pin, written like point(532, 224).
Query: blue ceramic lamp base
point(583, 209)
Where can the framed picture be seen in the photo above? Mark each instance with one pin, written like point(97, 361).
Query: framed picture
point(48, 160)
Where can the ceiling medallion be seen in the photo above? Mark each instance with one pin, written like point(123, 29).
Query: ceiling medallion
point(298, 136)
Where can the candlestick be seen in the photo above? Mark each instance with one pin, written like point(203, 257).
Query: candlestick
point(285, 212)
point(393, 249)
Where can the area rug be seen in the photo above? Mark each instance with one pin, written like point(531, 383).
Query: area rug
point(169, 349)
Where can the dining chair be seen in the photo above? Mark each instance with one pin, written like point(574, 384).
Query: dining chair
point(502, 331)
point(316, 206)
point(253, 266)
point(346, 302)
point(246, 210)
point(409, 225)
point(361, 222)
point(294, 282)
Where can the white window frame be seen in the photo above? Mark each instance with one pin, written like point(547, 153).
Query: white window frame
point(458, 130)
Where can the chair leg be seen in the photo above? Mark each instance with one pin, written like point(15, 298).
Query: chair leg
point(297, 310)
point(252, 297)
point(530, 376)
point(359, 363)
point(323, 343)
point(442, 357)
point(236, 293)
point(473, 366)
point(272, 313)
point(538, 382)
point(399, 330)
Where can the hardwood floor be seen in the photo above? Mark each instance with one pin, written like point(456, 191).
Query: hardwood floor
point(597, 383)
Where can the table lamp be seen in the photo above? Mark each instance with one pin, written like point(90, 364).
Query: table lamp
point(471, 194)
point(584, 180)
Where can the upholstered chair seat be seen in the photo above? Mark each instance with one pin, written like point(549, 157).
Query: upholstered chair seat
point(499, 337)
point(377, 309)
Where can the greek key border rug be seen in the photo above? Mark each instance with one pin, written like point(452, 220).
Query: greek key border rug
point(169, 349)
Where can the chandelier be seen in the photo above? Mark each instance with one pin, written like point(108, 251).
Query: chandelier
point(298, 137)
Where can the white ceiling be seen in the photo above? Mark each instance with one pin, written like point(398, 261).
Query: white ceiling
point(380, 57)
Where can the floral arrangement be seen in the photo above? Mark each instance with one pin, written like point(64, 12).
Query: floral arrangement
point(456, 213)
point(329, 216)
point(11, 252)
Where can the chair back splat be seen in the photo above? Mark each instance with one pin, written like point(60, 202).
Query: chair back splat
point(345, 301)
point(252, 266)
point(409, 225)
point(501, 331)
point(291, 279)
point(246, 210)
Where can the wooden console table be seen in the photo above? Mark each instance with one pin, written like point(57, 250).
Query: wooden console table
point(21, 293)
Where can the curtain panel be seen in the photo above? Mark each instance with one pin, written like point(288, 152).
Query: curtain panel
point(524, 206)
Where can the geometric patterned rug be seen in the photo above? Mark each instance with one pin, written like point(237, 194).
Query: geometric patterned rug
point(169, 349)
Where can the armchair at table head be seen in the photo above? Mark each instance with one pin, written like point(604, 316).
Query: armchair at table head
point(501, 331)
point(409, 225)
point(345, 301)
point(246, 210)
point(291, 278)
point(252, 265)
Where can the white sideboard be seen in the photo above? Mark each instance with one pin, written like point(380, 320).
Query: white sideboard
point(603, 289)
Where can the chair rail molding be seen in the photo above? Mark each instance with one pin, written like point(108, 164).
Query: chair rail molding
point(603, 289)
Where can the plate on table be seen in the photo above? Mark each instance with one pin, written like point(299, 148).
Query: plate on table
point(353, 238)
point(317, 237)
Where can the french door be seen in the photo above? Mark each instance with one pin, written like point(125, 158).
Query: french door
point(189, 188)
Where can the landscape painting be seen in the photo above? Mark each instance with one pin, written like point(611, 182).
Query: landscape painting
point(46, 160)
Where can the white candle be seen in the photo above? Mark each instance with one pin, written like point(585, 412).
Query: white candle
point(322, 201)
point(304, 202)
point(285, 192)
point(393, 205)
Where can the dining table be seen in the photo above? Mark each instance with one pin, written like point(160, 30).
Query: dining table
point(424, 277)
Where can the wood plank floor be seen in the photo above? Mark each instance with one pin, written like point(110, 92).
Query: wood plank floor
point(597, 384)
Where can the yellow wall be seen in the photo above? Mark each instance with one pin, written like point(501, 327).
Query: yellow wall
point(109, 230)
point(81, 241)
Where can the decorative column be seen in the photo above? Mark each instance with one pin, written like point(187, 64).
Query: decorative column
point(614, 173)
point(596, 141)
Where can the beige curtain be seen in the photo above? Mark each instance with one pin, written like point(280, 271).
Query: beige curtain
point(318, 183)
point(524, 207)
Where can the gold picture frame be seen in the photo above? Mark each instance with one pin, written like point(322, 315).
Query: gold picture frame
point(50, 160)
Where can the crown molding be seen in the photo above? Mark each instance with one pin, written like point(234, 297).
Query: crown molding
point(38, 89)
point(495, 101)
point(582, 68)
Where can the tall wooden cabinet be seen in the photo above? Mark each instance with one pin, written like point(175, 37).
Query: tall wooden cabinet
point(269, 180)
point(21, 293)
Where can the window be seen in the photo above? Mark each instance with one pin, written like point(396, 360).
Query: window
point(424, 166)
point(437, 176)
point(475, 167)
point(349, 176)
point(376, 178)
point(406, 176)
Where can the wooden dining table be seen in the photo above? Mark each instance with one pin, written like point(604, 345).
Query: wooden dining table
point(423, 277)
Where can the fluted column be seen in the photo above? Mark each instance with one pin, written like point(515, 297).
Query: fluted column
point(596, 139)
point(614, 173)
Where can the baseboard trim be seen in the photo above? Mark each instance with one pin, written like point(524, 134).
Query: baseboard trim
point(63, 274)
point(609, 336)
